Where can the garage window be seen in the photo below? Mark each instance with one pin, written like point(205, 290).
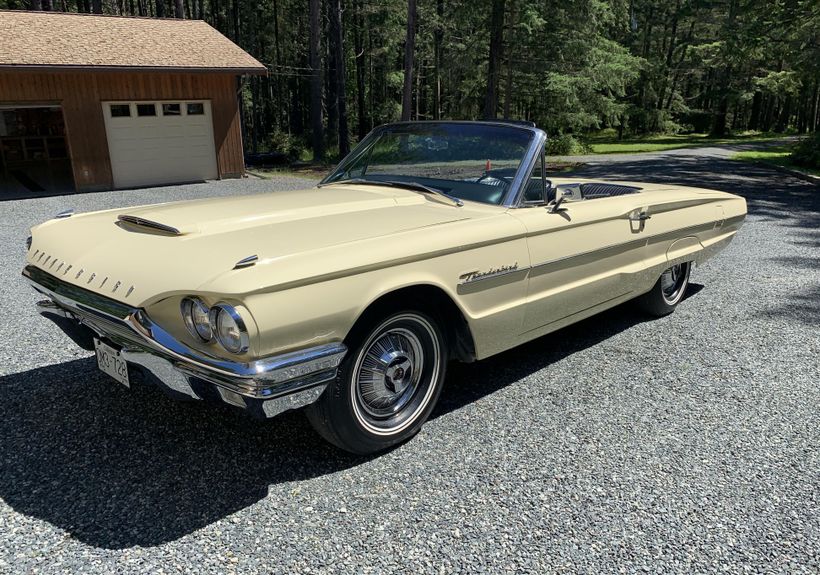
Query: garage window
point(120, 110)
point(196, 109)
point(146, 110)
point(171, 110)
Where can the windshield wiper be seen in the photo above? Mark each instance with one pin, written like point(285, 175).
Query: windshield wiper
point(414, 186)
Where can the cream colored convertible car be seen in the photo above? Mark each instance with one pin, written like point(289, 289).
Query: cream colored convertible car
point(430, 242)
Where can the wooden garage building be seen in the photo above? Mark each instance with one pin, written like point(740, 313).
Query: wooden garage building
point(91, 102)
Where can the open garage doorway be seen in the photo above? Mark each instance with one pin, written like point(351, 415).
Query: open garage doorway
point(34, 155)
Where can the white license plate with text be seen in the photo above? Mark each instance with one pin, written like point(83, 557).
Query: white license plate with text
point(110, 361)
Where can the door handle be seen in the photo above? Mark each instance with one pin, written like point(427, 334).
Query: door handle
point(642, 217)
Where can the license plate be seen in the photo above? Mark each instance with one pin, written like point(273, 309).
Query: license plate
point(110, 361)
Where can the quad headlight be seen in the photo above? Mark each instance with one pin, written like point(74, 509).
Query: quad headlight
point(221, 322)
point(229, 328)
point(195, 314)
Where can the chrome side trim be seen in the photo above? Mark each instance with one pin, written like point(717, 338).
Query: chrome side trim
point(622, 246)
point(64, 214)
point(632, 244)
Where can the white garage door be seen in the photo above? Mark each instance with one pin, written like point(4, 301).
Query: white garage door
point(154, 143)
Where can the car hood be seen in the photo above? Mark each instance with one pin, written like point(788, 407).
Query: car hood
point(186, 246)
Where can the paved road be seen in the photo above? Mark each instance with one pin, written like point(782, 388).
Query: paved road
point(724, 151)
point(685, 444)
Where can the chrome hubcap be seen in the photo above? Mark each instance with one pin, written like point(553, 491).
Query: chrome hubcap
point(673, 282)
point(390, 372)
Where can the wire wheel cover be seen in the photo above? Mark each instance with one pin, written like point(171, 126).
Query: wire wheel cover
point(390, 372)
point(396, 372)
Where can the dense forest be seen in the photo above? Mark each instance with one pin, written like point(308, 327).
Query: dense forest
point(339, 67)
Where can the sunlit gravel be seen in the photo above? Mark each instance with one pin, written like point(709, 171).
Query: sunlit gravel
point(685, 444)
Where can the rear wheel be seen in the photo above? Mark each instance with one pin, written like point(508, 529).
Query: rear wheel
point(667, 292)
point(387, 385)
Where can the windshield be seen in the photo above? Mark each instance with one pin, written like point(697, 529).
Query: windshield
point(476, 162)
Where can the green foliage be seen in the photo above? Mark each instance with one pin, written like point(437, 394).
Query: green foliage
point(638, 67)
point(807, 152)
point(566, 145)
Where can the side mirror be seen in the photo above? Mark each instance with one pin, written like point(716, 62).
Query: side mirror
point(555, 206)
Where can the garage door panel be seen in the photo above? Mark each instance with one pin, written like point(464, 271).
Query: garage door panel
point(150, 150)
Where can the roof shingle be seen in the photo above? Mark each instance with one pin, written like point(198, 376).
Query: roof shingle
point(57, 40)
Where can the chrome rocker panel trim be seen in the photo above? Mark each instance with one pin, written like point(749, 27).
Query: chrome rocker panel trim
point(274, 384)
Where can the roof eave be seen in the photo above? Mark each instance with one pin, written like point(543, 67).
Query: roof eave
point(239, 71)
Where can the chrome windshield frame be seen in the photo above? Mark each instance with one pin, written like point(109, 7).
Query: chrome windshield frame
point(510, 199)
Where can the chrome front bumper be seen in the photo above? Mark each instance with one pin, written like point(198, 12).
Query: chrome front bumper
point(266, 387)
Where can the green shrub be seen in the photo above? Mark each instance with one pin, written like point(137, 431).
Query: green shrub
point(566, 145)
point(807, 152)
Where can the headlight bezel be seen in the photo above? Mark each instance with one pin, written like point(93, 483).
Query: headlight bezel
point(214, 315)
point(187, 307)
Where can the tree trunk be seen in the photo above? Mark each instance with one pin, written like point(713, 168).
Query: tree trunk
point(179, 9)
point(438, 39)
point(496, 54)
point(719, 126)
point(278, 63)
point(336, 20)
point(315, 64)
point(510, 65)
point(47, 5)
point(36, 4)
point(409, 49)
point(331, 81)
point(160, 7)
point(360, 71)
point(237, 22)
point(785, 114)
point(670, 52)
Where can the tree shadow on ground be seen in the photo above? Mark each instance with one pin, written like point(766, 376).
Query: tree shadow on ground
point(117, 468)
point(767, 192)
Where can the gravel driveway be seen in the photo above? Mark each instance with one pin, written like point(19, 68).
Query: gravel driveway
point(685, 444)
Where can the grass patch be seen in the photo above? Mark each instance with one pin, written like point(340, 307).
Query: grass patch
point(607, 144)
point(777, 156)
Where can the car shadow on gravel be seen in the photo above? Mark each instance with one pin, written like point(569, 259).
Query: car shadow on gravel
point(467, 383)
point(117, 468)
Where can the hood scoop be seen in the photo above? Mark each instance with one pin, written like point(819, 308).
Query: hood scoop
point(142, 225)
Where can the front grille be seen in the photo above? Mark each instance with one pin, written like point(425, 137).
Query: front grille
point(116, 331)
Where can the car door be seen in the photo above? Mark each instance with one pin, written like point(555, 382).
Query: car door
point(589, 254)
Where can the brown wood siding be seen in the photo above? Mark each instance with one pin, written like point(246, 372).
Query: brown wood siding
point(80, 94)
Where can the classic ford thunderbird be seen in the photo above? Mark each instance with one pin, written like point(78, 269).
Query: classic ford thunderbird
point(430, 242)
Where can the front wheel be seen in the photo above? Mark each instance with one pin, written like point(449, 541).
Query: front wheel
point(667, 292)
point(387, 385)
